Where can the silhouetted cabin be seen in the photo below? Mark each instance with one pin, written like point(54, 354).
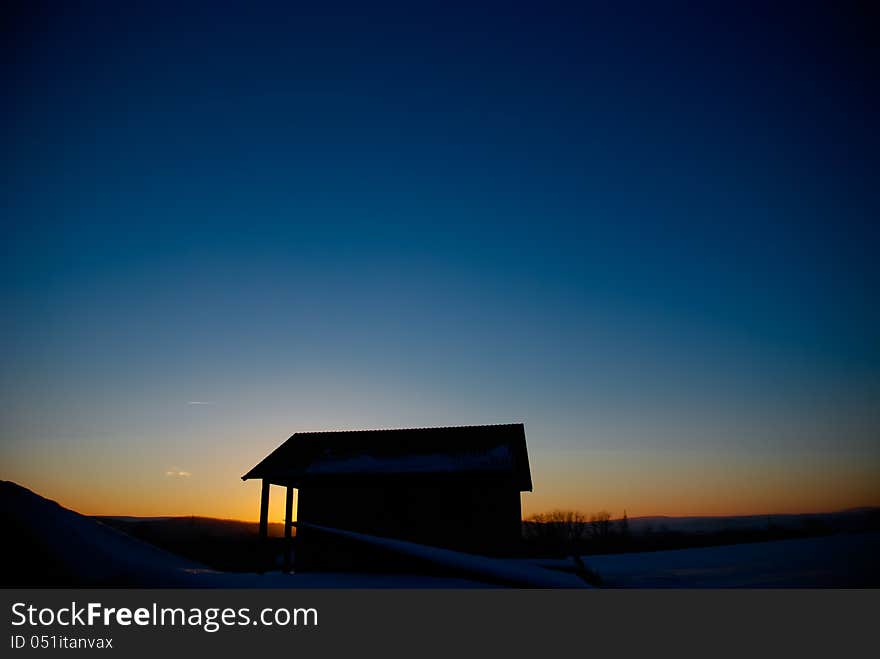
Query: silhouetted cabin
point(457, 488)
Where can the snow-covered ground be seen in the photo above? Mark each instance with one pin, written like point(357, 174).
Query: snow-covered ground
point(483, 568)
point(846, 560)
point(85, 552)
point(843, 560)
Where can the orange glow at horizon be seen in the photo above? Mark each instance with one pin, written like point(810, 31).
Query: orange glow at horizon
point(640, 483)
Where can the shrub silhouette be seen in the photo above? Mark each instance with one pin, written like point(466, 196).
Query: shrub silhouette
point(560, 532)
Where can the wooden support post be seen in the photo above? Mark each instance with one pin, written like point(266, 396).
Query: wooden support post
point(264, 510)
point(262, 557)
point(288, 522)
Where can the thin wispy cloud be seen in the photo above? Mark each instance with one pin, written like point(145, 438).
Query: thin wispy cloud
point(174, 472)
point(201, 402)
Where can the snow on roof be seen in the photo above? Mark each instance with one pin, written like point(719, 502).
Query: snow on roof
point(498, 458)
point(493, 449)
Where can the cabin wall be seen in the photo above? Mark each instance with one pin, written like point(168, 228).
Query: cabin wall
point(475, 518)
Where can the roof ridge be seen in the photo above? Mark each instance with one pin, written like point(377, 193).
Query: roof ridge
point(368, 430)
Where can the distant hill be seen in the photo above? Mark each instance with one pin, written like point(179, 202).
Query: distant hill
point(222, 544)
point(853, 519)
point(193, 525)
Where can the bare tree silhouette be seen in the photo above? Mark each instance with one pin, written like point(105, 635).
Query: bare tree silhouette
point(600, 524)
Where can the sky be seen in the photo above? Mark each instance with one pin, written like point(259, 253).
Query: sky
point(647, 232)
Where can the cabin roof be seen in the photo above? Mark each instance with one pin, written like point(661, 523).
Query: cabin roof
point(312, 457)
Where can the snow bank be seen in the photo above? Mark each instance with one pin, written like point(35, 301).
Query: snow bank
point(491, 570)
point(837, 561)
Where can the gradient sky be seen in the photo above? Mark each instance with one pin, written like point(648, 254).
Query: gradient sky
point(651, 235)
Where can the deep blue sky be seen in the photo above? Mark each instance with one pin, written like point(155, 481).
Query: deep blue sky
point(650, 234)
